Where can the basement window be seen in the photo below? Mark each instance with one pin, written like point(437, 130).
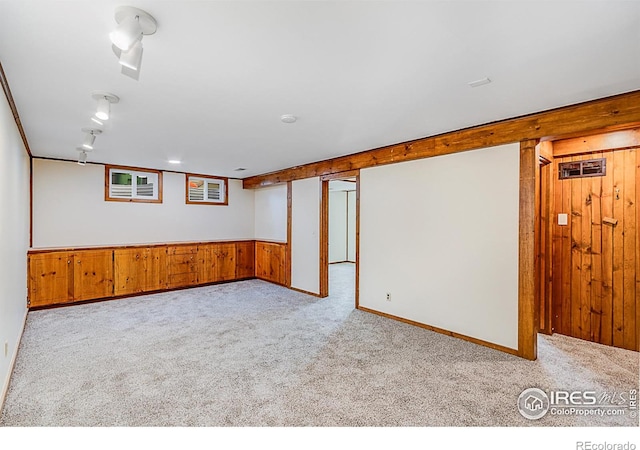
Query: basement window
point(206, 190)
point(128, 184)
point(579, 169)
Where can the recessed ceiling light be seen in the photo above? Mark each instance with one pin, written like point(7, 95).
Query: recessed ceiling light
point(288, 118)
point(480, 82)
point(174, 161)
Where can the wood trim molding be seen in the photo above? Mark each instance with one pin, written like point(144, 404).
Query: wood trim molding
point(324, 239)
point(30, 202)
point(289, 222)
point(340, 175)
point(358, 239)
point(303, 291)
point(442, 331)
point(527, 332)
point(614, 140)
point(107, 198)
point(583, 117)
point(224, 180)
point(34, 251)
point(14, 110)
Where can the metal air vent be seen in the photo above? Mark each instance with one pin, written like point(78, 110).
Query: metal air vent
point(578, 169)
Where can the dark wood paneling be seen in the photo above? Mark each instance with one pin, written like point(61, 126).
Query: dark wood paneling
point(584, 117)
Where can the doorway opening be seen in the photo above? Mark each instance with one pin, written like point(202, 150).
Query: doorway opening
point(587, 239)
point(339, 231)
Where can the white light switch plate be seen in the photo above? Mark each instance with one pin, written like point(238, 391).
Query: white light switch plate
point(563, 219)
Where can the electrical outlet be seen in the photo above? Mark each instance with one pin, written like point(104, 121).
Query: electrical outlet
point(388, 296)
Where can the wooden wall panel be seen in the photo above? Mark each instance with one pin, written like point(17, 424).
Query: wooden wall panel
point(72, 275)
point(630, 326)
point(223, 257)
point(50, 278)
point(245, 259)
point(596, 256)
point(129, 270)
point(92, 274)
point(271, 261)
point(182, 265)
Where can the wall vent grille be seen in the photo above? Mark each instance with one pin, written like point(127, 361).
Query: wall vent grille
point(579, 169)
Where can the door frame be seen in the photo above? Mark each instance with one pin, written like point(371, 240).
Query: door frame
point(324, 231)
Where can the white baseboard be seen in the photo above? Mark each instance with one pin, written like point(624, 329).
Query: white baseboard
point(5, 385)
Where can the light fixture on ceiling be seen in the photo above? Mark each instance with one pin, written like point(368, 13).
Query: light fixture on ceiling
point(133, 24)
point(480, 82)
point(174, 161)
point(104, 99)
point(82, 158)
point(240, 169)
point(90, 137)
point(288, 118)
point(97, 121)
point(133, 58)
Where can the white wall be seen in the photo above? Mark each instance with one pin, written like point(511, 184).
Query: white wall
point(305, 234)
point(271, 213)
point(69, 210)
point(14, 240)
point(337, 226)
point(441, 235)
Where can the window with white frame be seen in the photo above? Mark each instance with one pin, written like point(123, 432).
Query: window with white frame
point(206, 190)
point(133, 185)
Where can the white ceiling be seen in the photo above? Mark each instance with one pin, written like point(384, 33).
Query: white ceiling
point(217, 76)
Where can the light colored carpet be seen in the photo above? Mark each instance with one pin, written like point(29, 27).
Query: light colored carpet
point(255, 354)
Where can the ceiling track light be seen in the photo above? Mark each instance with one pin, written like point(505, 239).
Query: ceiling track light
point(90, 138)
point(82, 157)
point(132, 59)
point(133, 24)
point(104, 100)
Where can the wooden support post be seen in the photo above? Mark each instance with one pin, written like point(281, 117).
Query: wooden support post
point(527, 332)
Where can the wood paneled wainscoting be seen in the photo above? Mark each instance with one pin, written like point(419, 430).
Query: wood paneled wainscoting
point(69, 275)
point(596, 262)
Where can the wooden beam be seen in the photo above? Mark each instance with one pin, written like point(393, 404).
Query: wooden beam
point(584, 117)
point(527, 332)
